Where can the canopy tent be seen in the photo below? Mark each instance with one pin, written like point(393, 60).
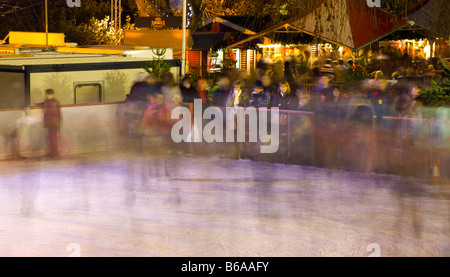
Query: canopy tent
point(432, 16)
point(220, 31)
point(349, 23)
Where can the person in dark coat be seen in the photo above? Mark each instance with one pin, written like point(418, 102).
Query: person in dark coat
point(188, 90)
point(145, 86)
point(219, 91)
point(321, 91)
point(133, 109)
point(268, 85)
point(284, 99)
point(289, 75)
point(334, 106)
point(304, 101)
point(315, 70)
point(259, 97)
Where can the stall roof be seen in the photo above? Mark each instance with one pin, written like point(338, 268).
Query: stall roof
point(244, 24)
point(207, 40)
point(218, 29)
point(354, 28)
point(433, 17)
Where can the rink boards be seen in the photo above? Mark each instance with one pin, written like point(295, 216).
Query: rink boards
point(410, 146)
point(84, 128)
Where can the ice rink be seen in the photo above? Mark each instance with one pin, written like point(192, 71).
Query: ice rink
point(105, 204)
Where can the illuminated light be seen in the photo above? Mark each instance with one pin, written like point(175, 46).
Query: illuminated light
point(269, 45)
point(427, 50)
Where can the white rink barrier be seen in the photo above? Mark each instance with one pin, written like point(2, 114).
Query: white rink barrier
point(84, 128)
point(412, 146)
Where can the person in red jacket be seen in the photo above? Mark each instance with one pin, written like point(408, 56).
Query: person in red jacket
point(157, 123)
point(202, 89)
point(52, 122)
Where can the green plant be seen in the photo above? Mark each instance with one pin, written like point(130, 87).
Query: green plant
point(356, 74)
point(194, 70)
point(228, 63)
point(439, 95)
point(445, 66)
point(158, 66)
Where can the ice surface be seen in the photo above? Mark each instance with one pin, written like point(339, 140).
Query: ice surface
point(126, 205)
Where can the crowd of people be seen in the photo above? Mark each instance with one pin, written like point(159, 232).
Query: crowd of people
point(325, 94)
point(312, 85)
point(302, 83)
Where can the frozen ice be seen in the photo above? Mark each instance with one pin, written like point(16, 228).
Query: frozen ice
point(117, 204)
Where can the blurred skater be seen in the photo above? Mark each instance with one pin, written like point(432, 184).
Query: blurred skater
point(130, 113)
point(52, 123)
point(12, 138)
point(156, 124)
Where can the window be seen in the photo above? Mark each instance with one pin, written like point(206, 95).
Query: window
point(88, 93)
point(12, 94)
